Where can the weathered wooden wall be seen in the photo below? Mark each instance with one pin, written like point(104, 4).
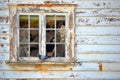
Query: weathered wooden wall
point(97, 40)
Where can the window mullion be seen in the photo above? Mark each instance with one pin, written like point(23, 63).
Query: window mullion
point(28, 35)
point(55, 35)
point(18, 30)
point(43, 42)
point(40, 35)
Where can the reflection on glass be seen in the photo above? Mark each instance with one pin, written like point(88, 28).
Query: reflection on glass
point(50, 50)
point(34, 50)
point(50, 36)
point(24, 36)
point(34, 21)
point(23, 21)
point(60, 35)
point(24, 50)
point(60, 50)
point(34, 36)
point(50, 22)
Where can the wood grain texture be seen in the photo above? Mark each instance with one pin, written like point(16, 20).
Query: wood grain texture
point(98, 4)
point(60, 74)
point(91, 21)
point(97, 12)
point(98, 49)
point(97, 57)
point(97, 40)
point(98, 30)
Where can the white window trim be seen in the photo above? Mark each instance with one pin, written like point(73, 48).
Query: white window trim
point(42, 17)
point(15, 9)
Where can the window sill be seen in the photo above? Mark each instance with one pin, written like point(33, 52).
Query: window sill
point(41, 62)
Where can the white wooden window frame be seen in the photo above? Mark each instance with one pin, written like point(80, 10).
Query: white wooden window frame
point(18, 30)
point(53, 59)
point(42, 34)
point(42, 10)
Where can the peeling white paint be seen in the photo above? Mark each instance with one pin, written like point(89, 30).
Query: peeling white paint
point(97, 43)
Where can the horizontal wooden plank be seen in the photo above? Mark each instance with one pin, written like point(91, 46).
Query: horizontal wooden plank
point(60, 74)
point(4, 29)
point(52, 67)
point(4, 48)
point(104, 40)
point(98, 4)
point(4, 39)
point(98, 12)
point(4, 20)
point(4, 56)
point(4, 12)
point(98, 21)
point(3, 4)
point(97, 30)
point(98, 49)
point(111, 66)
point(93, 57)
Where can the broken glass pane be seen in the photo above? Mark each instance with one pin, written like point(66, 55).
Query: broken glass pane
point(50, 36)
point(60, 35)
point(50, 22)
point(24, 36)
point(34, 50)
point(34, 21)
point(23, 21)
point(24, 52)
point(34, 36)
point(50, 50)
point(60, 50)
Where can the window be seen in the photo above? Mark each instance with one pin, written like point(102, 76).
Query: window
point(29, 35)
point(45, 35)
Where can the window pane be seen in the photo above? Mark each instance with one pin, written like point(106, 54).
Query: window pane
point(60, 23)
point(50, 22)
point(50, 50)
point(50, 36)
point(60, 35)
point(24, 36)
point(34, 50)
point(24, 52)
point(34, 21)
point(34, 36)
point(60, 50)
point(23, 21)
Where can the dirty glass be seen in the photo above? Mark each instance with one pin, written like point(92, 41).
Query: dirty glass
point(23, 21)
point(34, 50)
point(23, 36)
point(24, 52)
point(34, 21)
point(50, 22)
point(50, 36)
point(60, 36)
point(34, 36)
point(60, 21)
point(60, 50)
